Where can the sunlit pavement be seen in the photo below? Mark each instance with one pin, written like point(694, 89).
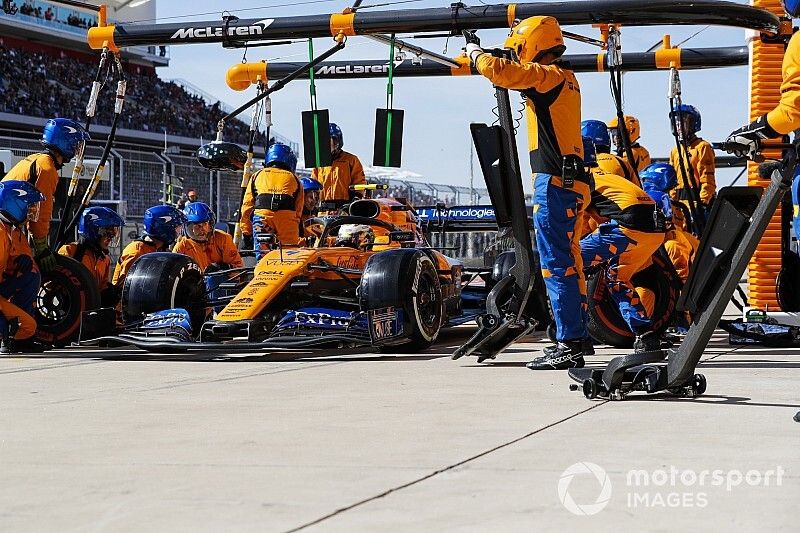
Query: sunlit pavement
point(124, 440)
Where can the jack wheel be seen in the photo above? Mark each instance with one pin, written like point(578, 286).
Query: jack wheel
point(489, 322)
point(699, 384)
point(590, 389)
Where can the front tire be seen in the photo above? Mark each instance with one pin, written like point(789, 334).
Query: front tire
point(64, 294)
point(164, 280)
point(406, 279)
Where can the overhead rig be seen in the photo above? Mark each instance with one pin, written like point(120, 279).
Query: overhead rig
point(451, 19)
point(242, 75)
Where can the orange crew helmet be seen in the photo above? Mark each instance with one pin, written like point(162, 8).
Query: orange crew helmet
point(533, 37)
point(631, 124)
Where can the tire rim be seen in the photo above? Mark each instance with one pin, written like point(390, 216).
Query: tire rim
point(52, 302)
point(427, 302)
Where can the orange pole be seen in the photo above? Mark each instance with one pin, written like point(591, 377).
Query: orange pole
point(765, 83)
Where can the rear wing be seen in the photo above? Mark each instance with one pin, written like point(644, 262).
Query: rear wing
point(462, 218)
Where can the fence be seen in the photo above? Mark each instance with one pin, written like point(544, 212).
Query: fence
point(142, 178)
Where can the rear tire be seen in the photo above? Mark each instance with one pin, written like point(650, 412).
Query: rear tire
point(64, 294)
point(406, 279)
point(605, 321)
point(164, 280)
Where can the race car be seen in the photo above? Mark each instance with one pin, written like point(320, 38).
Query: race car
point(370, 278)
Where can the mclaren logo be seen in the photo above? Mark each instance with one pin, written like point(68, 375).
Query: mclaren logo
point(328, 70)
point(218, 31)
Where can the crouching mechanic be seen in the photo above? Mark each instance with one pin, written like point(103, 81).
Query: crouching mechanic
point(561, 186)
point(273, 203)
point(62, 139)
point(99, 229)
point(658, 179)
point(609, 163)
point(161, 224)
point(208, 247)
point(345, 170)
point(19, 202)
point(631, 230)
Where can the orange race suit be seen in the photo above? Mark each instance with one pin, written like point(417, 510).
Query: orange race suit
point(346, 170)
point(273, 204)
point(131, 253)
point(631, 230)
point(218, 249)
point(20, 280)
point(702, 162)
point(41, 171)
point(641, 156)
point(553, 111)
point(618, 166)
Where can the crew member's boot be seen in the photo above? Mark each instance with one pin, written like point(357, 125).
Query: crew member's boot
point(561, 356)
point(7, 341)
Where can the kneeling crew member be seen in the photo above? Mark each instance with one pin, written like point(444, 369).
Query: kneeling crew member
point(63, 138)
point(206, 245)
point(641, 157)
point(273, 202)
point(161, 223)
point(609, 163)
point(19, 203)
point(631, 230)
point(658, 179)
point(345, 170)
point(99, 229)
point(561, 187)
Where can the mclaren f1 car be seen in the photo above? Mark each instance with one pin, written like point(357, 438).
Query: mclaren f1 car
point(370, 278)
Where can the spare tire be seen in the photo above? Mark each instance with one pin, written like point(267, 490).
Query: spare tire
point(606, 324)
point(164, 280)
point(65, 292)
point(406, 278)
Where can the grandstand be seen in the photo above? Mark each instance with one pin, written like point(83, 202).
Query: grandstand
point(46, 70)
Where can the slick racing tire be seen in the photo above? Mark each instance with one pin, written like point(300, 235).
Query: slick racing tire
point(164, 280)
point(605, 321)
point(405, 279)
point(64, 294)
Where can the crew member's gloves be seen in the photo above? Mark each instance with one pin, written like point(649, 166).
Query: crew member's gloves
point(746, 141)
point(473, 48)
point(247, 242)
point(44, 255)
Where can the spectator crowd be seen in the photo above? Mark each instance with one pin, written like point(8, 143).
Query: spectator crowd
point(73, 18)
point(42, 85)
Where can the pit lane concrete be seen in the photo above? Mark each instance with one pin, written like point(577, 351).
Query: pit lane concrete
point(126, 441)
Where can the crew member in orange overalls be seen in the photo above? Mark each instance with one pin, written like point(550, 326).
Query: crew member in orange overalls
point(631, 228)
point(641, 157)
point(99, 229)
point(161, 223)
point(346, 170)
point(561, 186)
point(273, 202)
point(19, 203)
point(63, 139)
point(206, 245)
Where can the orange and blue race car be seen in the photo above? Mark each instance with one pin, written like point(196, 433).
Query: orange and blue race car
point(370, 278)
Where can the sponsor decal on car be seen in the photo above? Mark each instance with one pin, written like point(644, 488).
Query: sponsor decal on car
point(385, 323)
point(319, 317)
point(169, 318)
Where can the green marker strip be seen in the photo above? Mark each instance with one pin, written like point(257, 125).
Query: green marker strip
point(313, 90)
point(389, 97)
